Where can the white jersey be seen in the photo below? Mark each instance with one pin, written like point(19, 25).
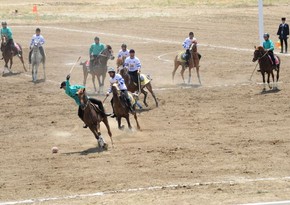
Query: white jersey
point(187, 42)
point(118, 79)
point(132, 64)
point(122, 53)
point(38, 39)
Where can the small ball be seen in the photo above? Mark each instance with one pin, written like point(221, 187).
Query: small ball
point(54, 150)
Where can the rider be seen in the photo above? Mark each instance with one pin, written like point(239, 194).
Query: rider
point(37, 38)
point(71, 91)
point(124, 52)
point(186, 44)
point(7, 32)
point(132, 63)
point(268, 45)
point(117, 78)
point(95, 49)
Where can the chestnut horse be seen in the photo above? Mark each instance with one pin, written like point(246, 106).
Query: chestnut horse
point(92, 118)
point(121, 109)
point(193, 62)
point(132, 87)
point(99, 68)
point(8, 53)
point(266, 66)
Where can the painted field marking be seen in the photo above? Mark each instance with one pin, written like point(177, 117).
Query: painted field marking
point(140, 189)
point(270, 203)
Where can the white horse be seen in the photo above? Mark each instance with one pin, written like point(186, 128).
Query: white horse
point(36, 59)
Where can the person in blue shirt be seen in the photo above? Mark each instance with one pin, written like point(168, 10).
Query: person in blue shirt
point(5, 30)
point(71, 91)
point(268, 45)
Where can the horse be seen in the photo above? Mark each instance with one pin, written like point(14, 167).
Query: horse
point(8, 53)
point(92, 118)
point(132, 87)
point(99, 68)
point(121, 109)
point(36, 59)
point(266, 66)
point(193, 62)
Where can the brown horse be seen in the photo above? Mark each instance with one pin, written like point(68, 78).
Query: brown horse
point(121, 109)
point(8, 53)
point(193, 62)
point(99, 68)
point(266, 66)
point(92, 118)
point(132, 87)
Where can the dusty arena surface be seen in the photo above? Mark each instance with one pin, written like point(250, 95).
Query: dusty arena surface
point(224, 142)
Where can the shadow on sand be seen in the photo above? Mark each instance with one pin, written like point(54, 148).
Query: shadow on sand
point(189, 85)
point(37, 81)
point(10, 74)
point(264, 92)
point(87, 151)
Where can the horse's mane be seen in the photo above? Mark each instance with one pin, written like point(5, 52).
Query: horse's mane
point(109, 47)
point(259, 48)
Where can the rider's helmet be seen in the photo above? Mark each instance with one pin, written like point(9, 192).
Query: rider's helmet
point(111, 69)
point(37, 30)
point(4, 23)
point(132, 51)
point(266, 35)
point(191, 33)
point(123, 45)
point(97, 38)
point(62, 84)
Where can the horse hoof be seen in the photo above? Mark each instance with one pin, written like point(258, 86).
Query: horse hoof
point(105, 147)
point(121, 127)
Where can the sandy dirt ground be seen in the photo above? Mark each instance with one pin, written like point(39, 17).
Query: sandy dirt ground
point(224, 142)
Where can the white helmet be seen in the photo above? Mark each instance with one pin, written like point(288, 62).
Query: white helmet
point(111, 69)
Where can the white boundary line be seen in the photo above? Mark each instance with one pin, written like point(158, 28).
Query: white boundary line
point(270, 203)
point(151, 188)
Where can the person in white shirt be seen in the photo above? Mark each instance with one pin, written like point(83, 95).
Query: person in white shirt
point(186, 44)
point(37, 39)
point(117, 78)
point(124, 52)
point(133, 64)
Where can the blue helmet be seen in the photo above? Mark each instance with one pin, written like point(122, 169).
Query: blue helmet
point(266, 35)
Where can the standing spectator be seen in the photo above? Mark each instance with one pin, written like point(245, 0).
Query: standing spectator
point(283, 32)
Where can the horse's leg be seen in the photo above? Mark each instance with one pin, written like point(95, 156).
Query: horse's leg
point(189, 75)
point(93, 79)
point(174, 70)
point(197, 72)
point(11, 62)
point(44, 74)
point(121, 127)
point(128, 121)
point(138, 126)
point(99, 81)
point(106, 122)
point(273, 78)
point(264, 81)
point(145, 97)
point(268, 80)
point(85, 71)
point(149, 87)
point(182, 73)
point(22, 61)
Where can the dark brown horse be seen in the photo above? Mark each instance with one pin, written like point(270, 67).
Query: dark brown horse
point(99, 68)
point(193, 62)
point(266, 66)
point(121, 109)
point(92, 118)
point(132, 87)
point(8, 53)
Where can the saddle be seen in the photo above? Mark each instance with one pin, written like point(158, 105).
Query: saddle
point(144, 79)
point(181, 57)
point(276, 60)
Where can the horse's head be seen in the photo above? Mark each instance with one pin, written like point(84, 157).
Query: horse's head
point(115, 89)
point(193, 46)
point(108, 52)
point(82, 96)
point(4, 40)
point(258, 53)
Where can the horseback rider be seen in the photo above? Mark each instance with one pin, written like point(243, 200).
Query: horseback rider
point(95, 49)
point(8, 33)
point(268, 45)
point(133, 64)
point(123, 53)
point(117, 78)
point(37, 38)
point(186, 44)
point(72, 90)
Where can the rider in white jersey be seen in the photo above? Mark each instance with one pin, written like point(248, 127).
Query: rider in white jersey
point(133, 64)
